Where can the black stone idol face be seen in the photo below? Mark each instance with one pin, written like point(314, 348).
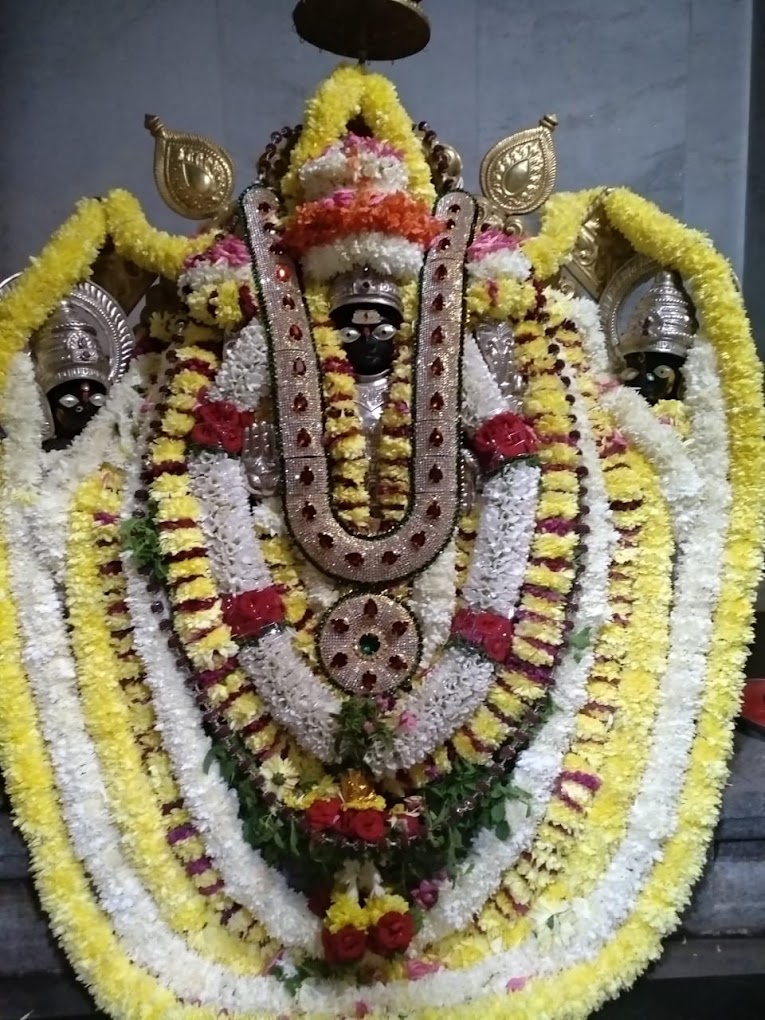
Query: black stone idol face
point(73, 404)
point(368, 332)
point(654, 374)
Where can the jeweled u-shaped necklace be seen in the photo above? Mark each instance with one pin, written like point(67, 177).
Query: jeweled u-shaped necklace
point(388, 557)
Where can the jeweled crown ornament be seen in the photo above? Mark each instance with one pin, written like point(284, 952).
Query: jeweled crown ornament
point(664, 319)
point(367, 30)
point(365, 287)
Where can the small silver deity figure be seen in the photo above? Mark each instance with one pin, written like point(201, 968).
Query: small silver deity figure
point(658, 338)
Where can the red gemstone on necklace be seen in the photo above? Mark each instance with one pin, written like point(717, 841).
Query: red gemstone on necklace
point(436, 402)
point(298, 367)
point(306, 476)
point(437, 336)
point(389, 557)
point(300, 402)
point(444, 243)
point(288, 301)
point(397, 663)
point(435, 474)
point(438, 303)
point(303, 438)
point(326, 541)
point(309, 511)
point(370, 608)
point(282, 272)
point(437, 367)
point(441, 271)
point(436, 437)
point(264, 207)
point(340, 626)
point(355, 559)
point(418, 539)
point(399, 628)
point(368, 679)
point(434, 511)
point(339, 659)
point(296, 333)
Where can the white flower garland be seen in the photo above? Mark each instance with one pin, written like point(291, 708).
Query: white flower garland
point(203, 273)
point(506, 263)
point(387, 255)
point(540, 763)
point(504, 538)
point(585, 315)
point(334, 169)
point(243, 377)
point(481, 396)
point(434, 592)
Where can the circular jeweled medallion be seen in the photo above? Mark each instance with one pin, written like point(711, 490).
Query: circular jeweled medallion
point(369, 644)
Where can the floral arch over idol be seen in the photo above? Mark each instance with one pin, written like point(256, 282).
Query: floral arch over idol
point(374, 649)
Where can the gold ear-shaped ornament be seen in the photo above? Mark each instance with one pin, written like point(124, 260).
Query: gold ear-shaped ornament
point(518, 173)
point(194, 175)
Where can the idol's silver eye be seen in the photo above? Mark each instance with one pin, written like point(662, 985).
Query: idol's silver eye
point(629, 374)
point(68, 400)
point(384, 331)
point(98, 399)
point(349, 335)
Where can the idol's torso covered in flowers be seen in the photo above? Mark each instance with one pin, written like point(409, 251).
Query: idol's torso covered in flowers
point(386, 616)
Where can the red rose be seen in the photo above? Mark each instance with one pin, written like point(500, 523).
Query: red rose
point(248, 613)
point(204, 434)
point(392, 933)
point(491, 632)
point(219, 423)
point(368, 825)
point(220, 414)
point(323, 814)
point(344, 946)
point(502, 437)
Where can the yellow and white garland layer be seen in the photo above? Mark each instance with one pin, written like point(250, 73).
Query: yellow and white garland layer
point(549, 923)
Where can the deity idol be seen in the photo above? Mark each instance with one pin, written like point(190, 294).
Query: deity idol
point(373, 649)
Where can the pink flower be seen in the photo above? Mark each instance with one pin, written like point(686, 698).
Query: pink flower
point(416, 969)
point(342, 197)
point(361, 1009)
point(426, 894)
point(515, 984)
point(407, 722)
point(489, 241)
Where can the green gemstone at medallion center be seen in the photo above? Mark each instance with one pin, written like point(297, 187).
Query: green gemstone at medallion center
point(369, 644)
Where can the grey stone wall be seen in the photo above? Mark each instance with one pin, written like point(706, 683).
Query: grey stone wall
point(651, 94)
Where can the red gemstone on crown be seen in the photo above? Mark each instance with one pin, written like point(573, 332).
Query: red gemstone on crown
point(309, 511)
point(437, 336)
point(370, 608)
point(441, 271)
point(340, 626)
point(368, 679)
point(389, 557)
point(438, 303)
point(300, 403)
point(298, 367)
point(437, 367)
point(399, 628)
point(288, 302)
point(436, 402)
point(451, 224)
point(436, 437)
point(397, 663)
point(435, 474)
point(454, 208)
point(306, 476)
point(444, 243)
point(282, 273)
point(326, 541)
point(418, 539)
point(355, 559)
point(296, 333)
point(434, 511)
point(339, 659)
point(303, 438)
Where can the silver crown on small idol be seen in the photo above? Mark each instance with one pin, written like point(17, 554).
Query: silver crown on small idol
point(664, 319)
point(364, 287)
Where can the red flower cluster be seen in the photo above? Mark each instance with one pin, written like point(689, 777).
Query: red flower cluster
point(503, 437)
point(344, 946)
point(248, 613)
point(489, 631)
point(368, 825)
point(392, 933)
point(220, 424)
